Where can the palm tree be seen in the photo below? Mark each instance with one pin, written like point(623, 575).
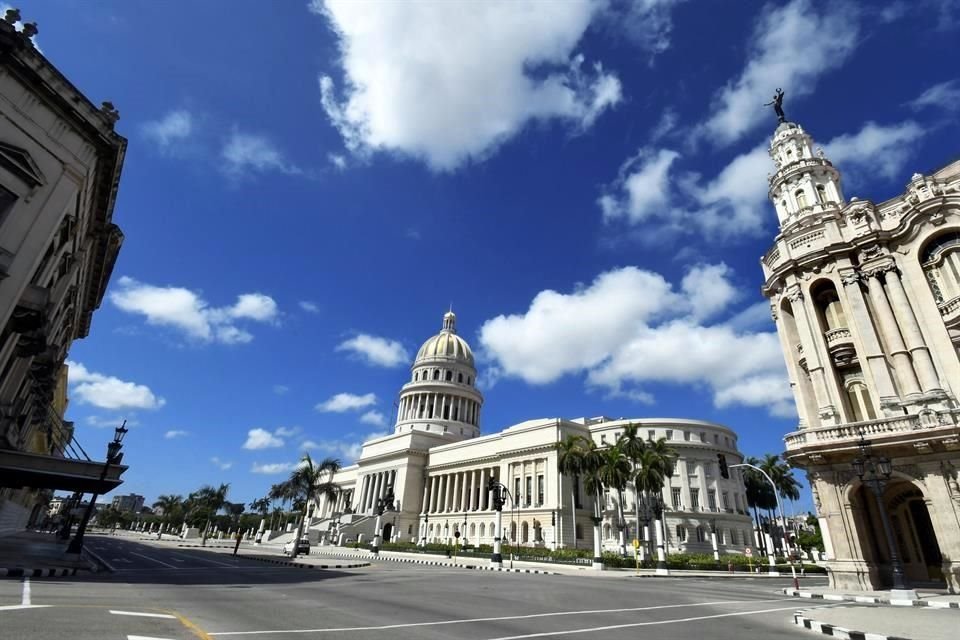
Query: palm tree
point(592, 463)
point(171, 505)
point(759, 495)
point(307, 482)
point(614, 474)
point(570, 463)
point(653, 466)
point(208, 501)
point(261, 506)
point(633, 447)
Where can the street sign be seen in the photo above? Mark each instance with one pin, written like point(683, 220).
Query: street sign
point(636, 543)
point(748, 552)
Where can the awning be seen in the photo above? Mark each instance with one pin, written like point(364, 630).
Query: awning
point(19, 469)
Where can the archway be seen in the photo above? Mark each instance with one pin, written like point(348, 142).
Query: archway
point(913, 532)
point(387, 532)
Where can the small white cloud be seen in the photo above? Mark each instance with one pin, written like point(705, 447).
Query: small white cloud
point(876, 149)
point(377, 351)
point(223, 466)
point(337, 160)
point(246, 153)
point(309, 307)
point(111, 422)
point(273, 468)
point(189, 313)
point(286, 432)
point(945, 95)
point(108, 392)
point(412, 234)
point(375, 418)
point(281, 389)
point(648, 23)
point(343, 402)
point(262, 439)
point(643, 188)
point(171, 130)
point(347, 451)
point(175, 433)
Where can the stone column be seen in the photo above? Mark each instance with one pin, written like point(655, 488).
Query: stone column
point(892, 338)
point(465, 495)
point(446, 493)
point(911, 333)
point(455, 496)
point(482, 498)
point(424, 504)
point(876, 362)
point(812, 341)
point(362, 505)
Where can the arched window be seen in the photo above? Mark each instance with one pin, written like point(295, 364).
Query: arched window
point(681, 533)
point(473, 530)
point(940, 260)
point(606, 531)
point(513, 530)
point(460, 378)
point(416, 376)
point(436, 374)
point(821, 193)
point(469, 380)
point(524, 533)
point(483, 530)
point(720, 536)
point(449, 376)
point(701, 534)
point(830, 308)
point(801, 197)
point(861, 405)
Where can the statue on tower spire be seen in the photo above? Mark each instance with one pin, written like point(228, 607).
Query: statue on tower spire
point(777, 103)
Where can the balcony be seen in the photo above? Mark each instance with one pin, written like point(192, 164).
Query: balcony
point(840, 345)
point(950, 310)
point(847, 435)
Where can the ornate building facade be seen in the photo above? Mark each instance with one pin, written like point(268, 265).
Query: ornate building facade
point(866, 299)
point(437, 464)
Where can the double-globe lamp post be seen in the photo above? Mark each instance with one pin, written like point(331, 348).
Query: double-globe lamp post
point(383, 504)
point(114, 456)
point(499, 494)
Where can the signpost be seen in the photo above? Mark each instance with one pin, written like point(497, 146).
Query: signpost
point(749, 553)
point(636, 554)
point(456, 545)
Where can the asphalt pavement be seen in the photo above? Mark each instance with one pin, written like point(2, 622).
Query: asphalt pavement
point(160, 591)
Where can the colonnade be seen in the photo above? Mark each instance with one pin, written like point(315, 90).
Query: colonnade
point(438, 406)
point(459, 491)
point(373, 487)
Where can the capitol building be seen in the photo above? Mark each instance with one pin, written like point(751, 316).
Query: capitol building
point(437, 463)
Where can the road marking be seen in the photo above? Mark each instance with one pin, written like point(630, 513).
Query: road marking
point(497, 619)
point(222, 564)
point(146, 638)
point(143, 614)
point(25, 598)
point(546, 634)
point(134, 553)
point(16, 607)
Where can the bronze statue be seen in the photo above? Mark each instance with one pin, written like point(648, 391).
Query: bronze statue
point(777, 103)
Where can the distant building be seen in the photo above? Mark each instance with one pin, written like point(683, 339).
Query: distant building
point(60, 162)
point(866, 297)
point(131, 503)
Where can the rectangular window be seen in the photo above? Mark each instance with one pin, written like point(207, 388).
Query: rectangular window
point(726, 500)
point(669, 434)
point(516, 491)
point(703, 436)
point(677, 503)
point(579, 528)
point(603, 438)
point(686, 436)
point(529, 496)
point(651, 435)
point(716, 438)
point(712, 499)
point(695, 499)
point(541, 488)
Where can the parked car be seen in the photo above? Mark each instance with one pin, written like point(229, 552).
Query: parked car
point(302, 548)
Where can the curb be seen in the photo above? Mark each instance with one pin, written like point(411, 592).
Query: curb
point(300, 565)
point(38, 573)
point(441, 563)
point(841, 597)
point(98, 559)
point(838, 632)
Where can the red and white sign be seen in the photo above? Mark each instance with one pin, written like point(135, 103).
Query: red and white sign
point(748, 552)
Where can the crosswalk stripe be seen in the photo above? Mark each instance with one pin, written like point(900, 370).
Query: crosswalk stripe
point(143, 614)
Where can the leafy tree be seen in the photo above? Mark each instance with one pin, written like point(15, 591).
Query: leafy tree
point(172, 507)
point(614, 473)
point(204, 503)
point(592, 463)
point(307, 482)
point(570, 462)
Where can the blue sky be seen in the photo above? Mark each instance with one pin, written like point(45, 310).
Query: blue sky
point(308, 186)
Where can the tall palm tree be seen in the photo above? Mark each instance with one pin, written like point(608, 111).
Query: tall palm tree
point(592, 463)
point(614, 474)
point(308, 482)
point(759, 495)
point(171, 505)
point(633, 446)
point(654, 465)
point(570, 463)
point(208, 501)
point(261, 506)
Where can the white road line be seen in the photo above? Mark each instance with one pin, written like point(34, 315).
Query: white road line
point(25, 599)
point(546, 634)
point(222, 564)
point(16, 607)
point(146, 638)
point(134, 553)
point(142, 614)
point(497, 619)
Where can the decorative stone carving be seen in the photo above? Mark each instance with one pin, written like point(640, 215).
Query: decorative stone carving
point(12, 16)
point(794, 294)
point(923, 447)
point(849, 277)
point(880, 269)
point(773, 311)
point(871, 251)
point(110, 112)
point(928, 419)
point(950, 475)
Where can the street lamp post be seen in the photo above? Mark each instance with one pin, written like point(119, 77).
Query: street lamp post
point(499, 497)
point(113, 457)
point(773, 564)
point(383, 504)
point(874, 472)
point(426, 525)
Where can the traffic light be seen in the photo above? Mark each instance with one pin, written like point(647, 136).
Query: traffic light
point(722, 461)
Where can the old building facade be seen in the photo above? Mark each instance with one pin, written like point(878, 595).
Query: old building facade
point(437, 464)
point(60, 162)
point(866, 299)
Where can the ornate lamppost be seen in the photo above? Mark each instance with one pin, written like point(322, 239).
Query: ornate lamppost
point(113, 457)
point(426, 525)
point(874, 472)
point(383, 504)
point(499, 497)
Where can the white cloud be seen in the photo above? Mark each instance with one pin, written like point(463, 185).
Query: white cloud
point(273, 468)
point(172, 129)
point(286, 432)
point(108, 392)
point(309, 307)
point(246, 153)
point(188, 312)
point(375, 418)
point(646, 22)
point(338, 160)
point(343, 402)
point(262, 439)
point(346, 450)
point(792, 46)
point(875, 149)
point(220, 463)
point(281, 389)
point(630, 327)
point(643, 188)
point(377, 351)
point(111, 422)
point(945, 95)
point(449, 82)
point(175, 433)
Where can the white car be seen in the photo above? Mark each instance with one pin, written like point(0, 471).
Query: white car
point(302, 548)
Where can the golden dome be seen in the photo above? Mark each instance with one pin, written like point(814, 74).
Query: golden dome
point(447, 344)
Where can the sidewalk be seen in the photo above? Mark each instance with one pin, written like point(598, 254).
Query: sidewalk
point(38, 554)
point(934, 598)
point(879, 622)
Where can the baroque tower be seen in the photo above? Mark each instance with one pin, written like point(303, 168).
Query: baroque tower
point(866, 299)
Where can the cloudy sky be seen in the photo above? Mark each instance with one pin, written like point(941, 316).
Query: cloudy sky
point(310, 185)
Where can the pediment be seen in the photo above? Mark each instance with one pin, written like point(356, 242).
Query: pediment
point(19, 162)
